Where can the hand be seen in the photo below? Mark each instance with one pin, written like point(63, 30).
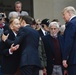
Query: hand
point(65, 63)
point(4, 37)
point(14, 48)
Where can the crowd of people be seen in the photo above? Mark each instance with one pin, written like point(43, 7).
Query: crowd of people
point(37, 47)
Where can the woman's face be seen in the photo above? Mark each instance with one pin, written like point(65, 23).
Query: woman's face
point(16, 25)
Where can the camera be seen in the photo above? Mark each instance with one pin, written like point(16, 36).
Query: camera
point(1, 16)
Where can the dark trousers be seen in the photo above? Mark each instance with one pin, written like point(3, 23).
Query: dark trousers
point(29, 70)
point(49, 69)
point(72, 70)
point(1, 71)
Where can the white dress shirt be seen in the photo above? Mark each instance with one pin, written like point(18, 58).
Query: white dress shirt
point(44, 32)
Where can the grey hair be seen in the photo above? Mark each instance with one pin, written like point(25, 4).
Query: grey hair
point(54, 24)
point(11, 14)
point(62, 28)
point(70, 9)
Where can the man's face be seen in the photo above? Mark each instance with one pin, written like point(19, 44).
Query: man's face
point(16, 25)
point(54, 30)
point(66, 16)
point(18, 7)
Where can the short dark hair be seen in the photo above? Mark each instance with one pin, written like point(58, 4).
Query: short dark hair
point(33, 21)
point(27, 19)
point(45, 22)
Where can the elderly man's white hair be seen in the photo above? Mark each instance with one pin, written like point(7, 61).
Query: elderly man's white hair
point(69, 9)
point(54, 24)
point(13, 14)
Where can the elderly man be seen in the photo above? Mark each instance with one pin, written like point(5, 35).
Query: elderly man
point(69, 55)
point(53, 44)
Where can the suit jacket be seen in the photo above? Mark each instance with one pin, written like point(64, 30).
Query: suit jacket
point(70, 42)
point(49, 49)
point(30, 43)
point(29, 40)
point(9, 63)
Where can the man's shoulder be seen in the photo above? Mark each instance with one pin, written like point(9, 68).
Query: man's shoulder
point(73, 20)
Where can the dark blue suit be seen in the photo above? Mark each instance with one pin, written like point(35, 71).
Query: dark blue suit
point(29, 46)
point(30, 56)
point(70, 44)
point(49, 49)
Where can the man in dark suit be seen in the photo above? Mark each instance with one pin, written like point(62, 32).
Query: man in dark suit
point(69, 55)
point(10, 58)
point(30, 61)
point(44, 27)
point(53, 48)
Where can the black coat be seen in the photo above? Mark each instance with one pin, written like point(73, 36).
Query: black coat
point(9, 63)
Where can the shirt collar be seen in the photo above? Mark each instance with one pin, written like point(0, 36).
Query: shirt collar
point(72, 17)
point(43, 31)
point(14, 33)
